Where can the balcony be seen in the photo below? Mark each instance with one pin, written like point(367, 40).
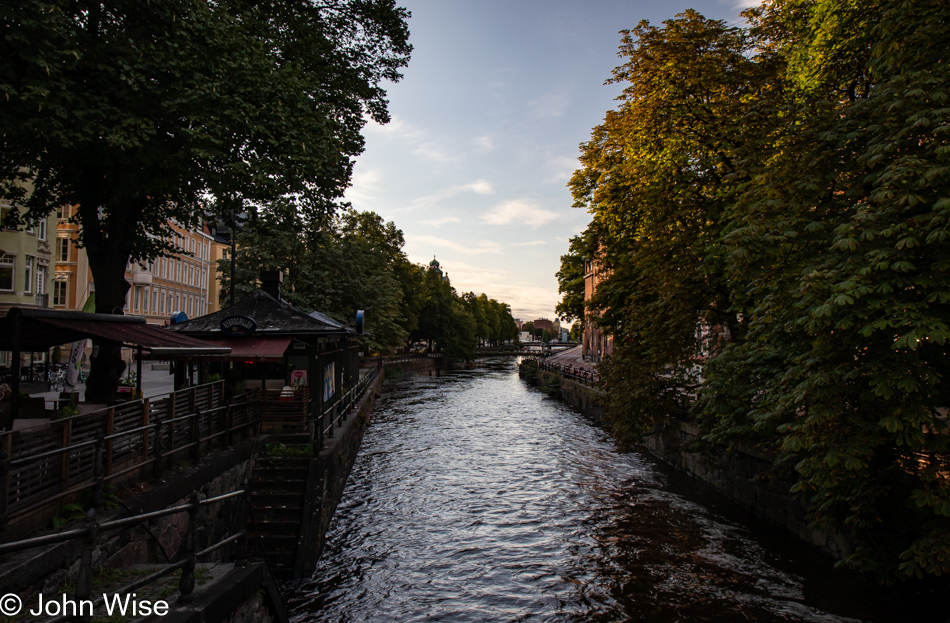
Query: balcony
point(42, 300)
point(140, 276)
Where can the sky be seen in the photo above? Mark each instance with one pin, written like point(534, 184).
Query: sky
point(485, 130)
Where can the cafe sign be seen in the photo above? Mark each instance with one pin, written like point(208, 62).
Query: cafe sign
point(238, 326)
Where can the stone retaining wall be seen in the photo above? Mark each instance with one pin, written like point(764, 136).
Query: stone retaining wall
point(743, 474)
point(47, 569)
point(328, 476)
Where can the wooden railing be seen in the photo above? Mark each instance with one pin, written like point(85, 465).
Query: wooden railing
point(42, 469)
point(89, 536)
point(280, 412)
point(335, 414)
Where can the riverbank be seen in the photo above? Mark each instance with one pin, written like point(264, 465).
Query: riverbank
point(478, 498)
point(744, 475)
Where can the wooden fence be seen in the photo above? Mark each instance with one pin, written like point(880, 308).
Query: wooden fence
point(44, 468)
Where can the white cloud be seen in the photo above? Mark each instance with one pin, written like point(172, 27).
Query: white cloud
point(521, 211)
point(431, 150)
point(484, 247)
point(365, 186)
point(479, 187)
point(549, 105)
point(485, 142)
point(561, 169)
point(396, 128)
point(533, 243)
point(436, 222)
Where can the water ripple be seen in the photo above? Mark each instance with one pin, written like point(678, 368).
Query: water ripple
point(476, 498)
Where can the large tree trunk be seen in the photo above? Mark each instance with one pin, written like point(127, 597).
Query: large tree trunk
point(108, 253)
point(107, 365)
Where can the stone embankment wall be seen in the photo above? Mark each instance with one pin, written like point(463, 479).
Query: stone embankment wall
point(394, 366)
point(744, 475)
point(330, 472)
point(47, 569)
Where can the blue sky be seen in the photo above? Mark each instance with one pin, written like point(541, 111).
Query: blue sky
point(485, 131)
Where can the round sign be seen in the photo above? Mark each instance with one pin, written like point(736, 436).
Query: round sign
point(238, 326)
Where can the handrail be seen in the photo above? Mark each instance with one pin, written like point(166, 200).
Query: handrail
point(69, 535)
point(108, 444)
point(345, 402)
point(90, 532)
point(588, 377)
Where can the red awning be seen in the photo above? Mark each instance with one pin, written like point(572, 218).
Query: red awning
point(253, 348)
point(30, 329)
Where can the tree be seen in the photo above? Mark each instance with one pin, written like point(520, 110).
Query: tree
point(657, 176)
point(772, 203)
point(138, 111)
point(570, 279)
point(335, 265)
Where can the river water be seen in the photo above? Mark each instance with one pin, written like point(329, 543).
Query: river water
point(478, 498)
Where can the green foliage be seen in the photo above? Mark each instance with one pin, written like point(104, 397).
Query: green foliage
point(771, 205)
point(137, 112)
point(334, 265)
point(68, 514)
point(570, 279)
point(354, 260)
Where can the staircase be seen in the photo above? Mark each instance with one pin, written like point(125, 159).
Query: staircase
point(278, 488)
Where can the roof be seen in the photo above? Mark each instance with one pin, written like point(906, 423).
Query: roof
point(255, 349)
point(38, 329)
point(272, 316)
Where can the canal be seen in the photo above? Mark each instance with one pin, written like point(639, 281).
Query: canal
point(478, 498)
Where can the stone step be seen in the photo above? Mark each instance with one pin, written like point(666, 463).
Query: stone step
point(275, 545)
point(293, 472)
point(264, 462)
point(278, 513)
point(276, 527)
point(264, 499)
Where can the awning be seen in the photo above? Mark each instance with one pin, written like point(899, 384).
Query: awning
point(27, 329)
point(255, 349)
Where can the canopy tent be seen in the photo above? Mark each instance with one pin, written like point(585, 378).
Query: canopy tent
point(26, 329)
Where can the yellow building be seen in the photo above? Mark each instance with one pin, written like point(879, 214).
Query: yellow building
point(25, 266)
point(182, 282)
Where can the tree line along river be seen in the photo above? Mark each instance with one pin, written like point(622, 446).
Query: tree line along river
point(478, 498)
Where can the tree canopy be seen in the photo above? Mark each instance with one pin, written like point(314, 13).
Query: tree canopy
point(353, 260)
point(772, 203)
point(139, 112)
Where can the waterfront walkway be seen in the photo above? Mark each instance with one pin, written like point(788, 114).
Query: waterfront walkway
point(572, 357)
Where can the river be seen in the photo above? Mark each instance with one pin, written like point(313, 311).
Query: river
point(478, 498)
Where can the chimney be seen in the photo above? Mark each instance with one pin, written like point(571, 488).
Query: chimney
point(270, 282)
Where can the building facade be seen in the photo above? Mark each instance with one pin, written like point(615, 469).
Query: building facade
point(596, 343)
point(25, 260)
point(179, 283)
point(25, 266)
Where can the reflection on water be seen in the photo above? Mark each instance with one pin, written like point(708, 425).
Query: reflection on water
point(477, 498)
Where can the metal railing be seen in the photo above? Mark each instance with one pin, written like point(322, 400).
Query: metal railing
point(582, 375)
point(90, 533)
point(43, 467)
point(338, 411)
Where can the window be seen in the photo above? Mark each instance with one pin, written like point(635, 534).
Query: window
point(137, 306)
point(41, 279)
point(154, 301)
point(161, 300)
point(7, 267)
point(41, 229)
point(59, 293)
point(62, 213)
point(28, 274)
point(62, 249)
